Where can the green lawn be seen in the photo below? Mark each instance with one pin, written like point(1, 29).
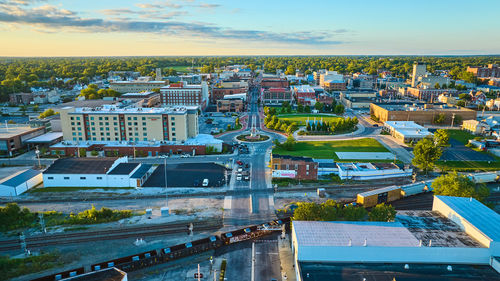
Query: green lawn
point(327, 149)
point(181, 68)
point(461, 136)
point(465, 166)
point(301, 118)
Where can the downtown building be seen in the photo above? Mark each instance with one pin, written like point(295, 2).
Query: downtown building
point(182, 94)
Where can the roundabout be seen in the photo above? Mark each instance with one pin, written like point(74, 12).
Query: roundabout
point(252, 138)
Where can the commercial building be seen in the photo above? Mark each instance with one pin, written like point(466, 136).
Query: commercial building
point(459, 233)
point(232, 103)
point(96, 172)
point(276, 96)
point(136, 86)
point(489, 72)
point(220, 93)
point(428, 94)
point(20, 98)
point(420, 113)
point(304, 94)
point(406, 131)
point(192, 146)
point(332, 81)
point(110, 123)
point(274, 82)
point(358, 99)
point(20, 182)
point(301, 168)
point(185, 95)
point(476, 127)
point(371, 171)
point(14, 137)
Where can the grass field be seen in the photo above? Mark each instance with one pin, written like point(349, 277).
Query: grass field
point(301, 118)
point(461, 136)
point(468, 166)
point(327, 149)
point(181, 68)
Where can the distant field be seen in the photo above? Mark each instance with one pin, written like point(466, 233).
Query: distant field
point(302, 118)
point(327, 149)
point(181, 68)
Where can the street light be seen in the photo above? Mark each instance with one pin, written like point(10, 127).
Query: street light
point(166, 191)
point(37, 152)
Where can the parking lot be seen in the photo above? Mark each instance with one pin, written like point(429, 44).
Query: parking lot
point(218, 121)
point(188, 175)
point(459, 152)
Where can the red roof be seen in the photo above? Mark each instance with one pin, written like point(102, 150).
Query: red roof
point(277, 90)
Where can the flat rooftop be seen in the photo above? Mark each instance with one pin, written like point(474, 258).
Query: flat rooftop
point(395, 272)
point(111, 109)
point(432, 226)
point(420, 107)
point(123, 169)
point(13, 130)
point(81, 166)
point(322, 233)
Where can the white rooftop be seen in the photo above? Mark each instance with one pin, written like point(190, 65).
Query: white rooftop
point(377, 191)
point(404, 125)
point(481, 217)
point(304, 89)
point(111, 108)
point(321, 233)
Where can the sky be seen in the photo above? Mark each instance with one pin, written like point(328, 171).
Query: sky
point(256, 27)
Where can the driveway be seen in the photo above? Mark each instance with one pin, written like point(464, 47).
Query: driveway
point(459, 152)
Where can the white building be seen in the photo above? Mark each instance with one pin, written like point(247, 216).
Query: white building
point(95, 172)
point(20, 182)
point(471, 237)
point(406, 131)
point(371, 171)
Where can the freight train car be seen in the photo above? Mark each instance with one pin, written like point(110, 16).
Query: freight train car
point(381, 195)
point(124, 260)
point(62, 275)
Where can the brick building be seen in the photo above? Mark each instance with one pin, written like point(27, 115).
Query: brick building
point(491, 71)
point(230, 105)
point(428, 94)
point(274, 83)
point(276, 96)
point(305, 94)
point(184, 94)
point(300, 168)
point(420, 113)
point(220, 93)
point(14, 137)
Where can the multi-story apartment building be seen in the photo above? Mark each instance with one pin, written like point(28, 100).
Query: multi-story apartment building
point(492, 71)
point(305, 94)
point(220, 93)
point(109, 123)
point(274, 82)
point(184, 94)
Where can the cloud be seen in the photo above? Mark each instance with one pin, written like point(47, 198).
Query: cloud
point(52, 18)
point(159, 5)
point(208, 6)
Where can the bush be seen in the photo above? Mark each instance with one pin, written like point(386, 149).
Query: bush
point(10, 268)
point(13, 217)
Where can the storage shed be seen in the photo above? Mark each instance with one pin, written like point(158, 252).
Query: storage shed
point(20, 182)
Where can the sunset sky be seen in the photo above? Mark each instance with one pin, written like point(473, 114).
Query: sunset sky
point(271, 27)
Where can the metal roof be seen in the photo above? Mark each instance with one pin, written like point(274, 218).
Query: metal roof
point(20, 178)
point(46, 138)
point(379, 190)
point(481, 217)
point(123, 169)
point(81, 166)
point(321, 233)
point(141, 171)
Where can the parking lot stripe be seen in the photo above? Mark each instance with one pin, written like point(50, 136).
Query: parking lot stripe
point(227, 202)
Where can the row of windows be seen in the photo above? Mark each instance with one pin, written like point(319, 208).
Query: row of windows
point(67, 178)
point(114, 118)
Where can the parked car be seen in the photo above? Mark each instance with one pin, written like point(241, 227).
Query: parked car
point(239, 162)
point(240, 170)
point(238, 177)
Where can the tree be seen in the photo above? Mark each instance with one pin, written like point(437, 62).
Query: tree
point(382, 212)
point(307, 109)
point(300, 108)
point(319, 106)
point(439, 119)
point(454, 184)
point(426, 154)
point(237, 122)
point(437, 86)
point(307, 211)
point(290, 143)
point(339, 109)
point(441, 137)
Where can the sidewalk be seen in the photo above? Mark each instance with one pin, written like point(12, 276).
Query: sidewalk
point(286, 259)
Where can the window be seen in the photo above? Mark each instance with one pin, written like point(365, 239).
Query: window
point(128, 118)
point(130, 123)
point(92, 118)
point(50, 178)
point(173, 134)
point(72, 123)
point(114, 118)
point(99, 178)
point(143, 118)
point(72, 118)
point(276, 166)
point(173, 123)
point(174, 139)
point(135, 118)
point(82, 178)
point(100, 118)
point(144, 134)
point(173, 118)
point(143, 123)
point(66, 178)
point(77, 118)
point(173, 129)
point(106, 118)
point(307, 167)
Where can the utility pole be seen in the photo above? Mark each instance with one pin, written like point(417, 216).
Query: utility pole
point(42, 222)
point(452, 119)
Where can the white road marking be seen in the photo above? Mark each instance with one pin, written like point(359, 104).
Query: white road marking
point(227, 202)
point(253, 262)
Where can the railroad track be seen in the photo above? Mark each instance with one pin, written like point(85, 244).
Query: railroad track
point(114, 234)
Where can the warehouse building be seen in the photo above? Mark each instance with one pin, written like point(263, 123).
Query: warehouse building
point(20, 182)
point(406, 131)
point(459, 234)
point(96, 172)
